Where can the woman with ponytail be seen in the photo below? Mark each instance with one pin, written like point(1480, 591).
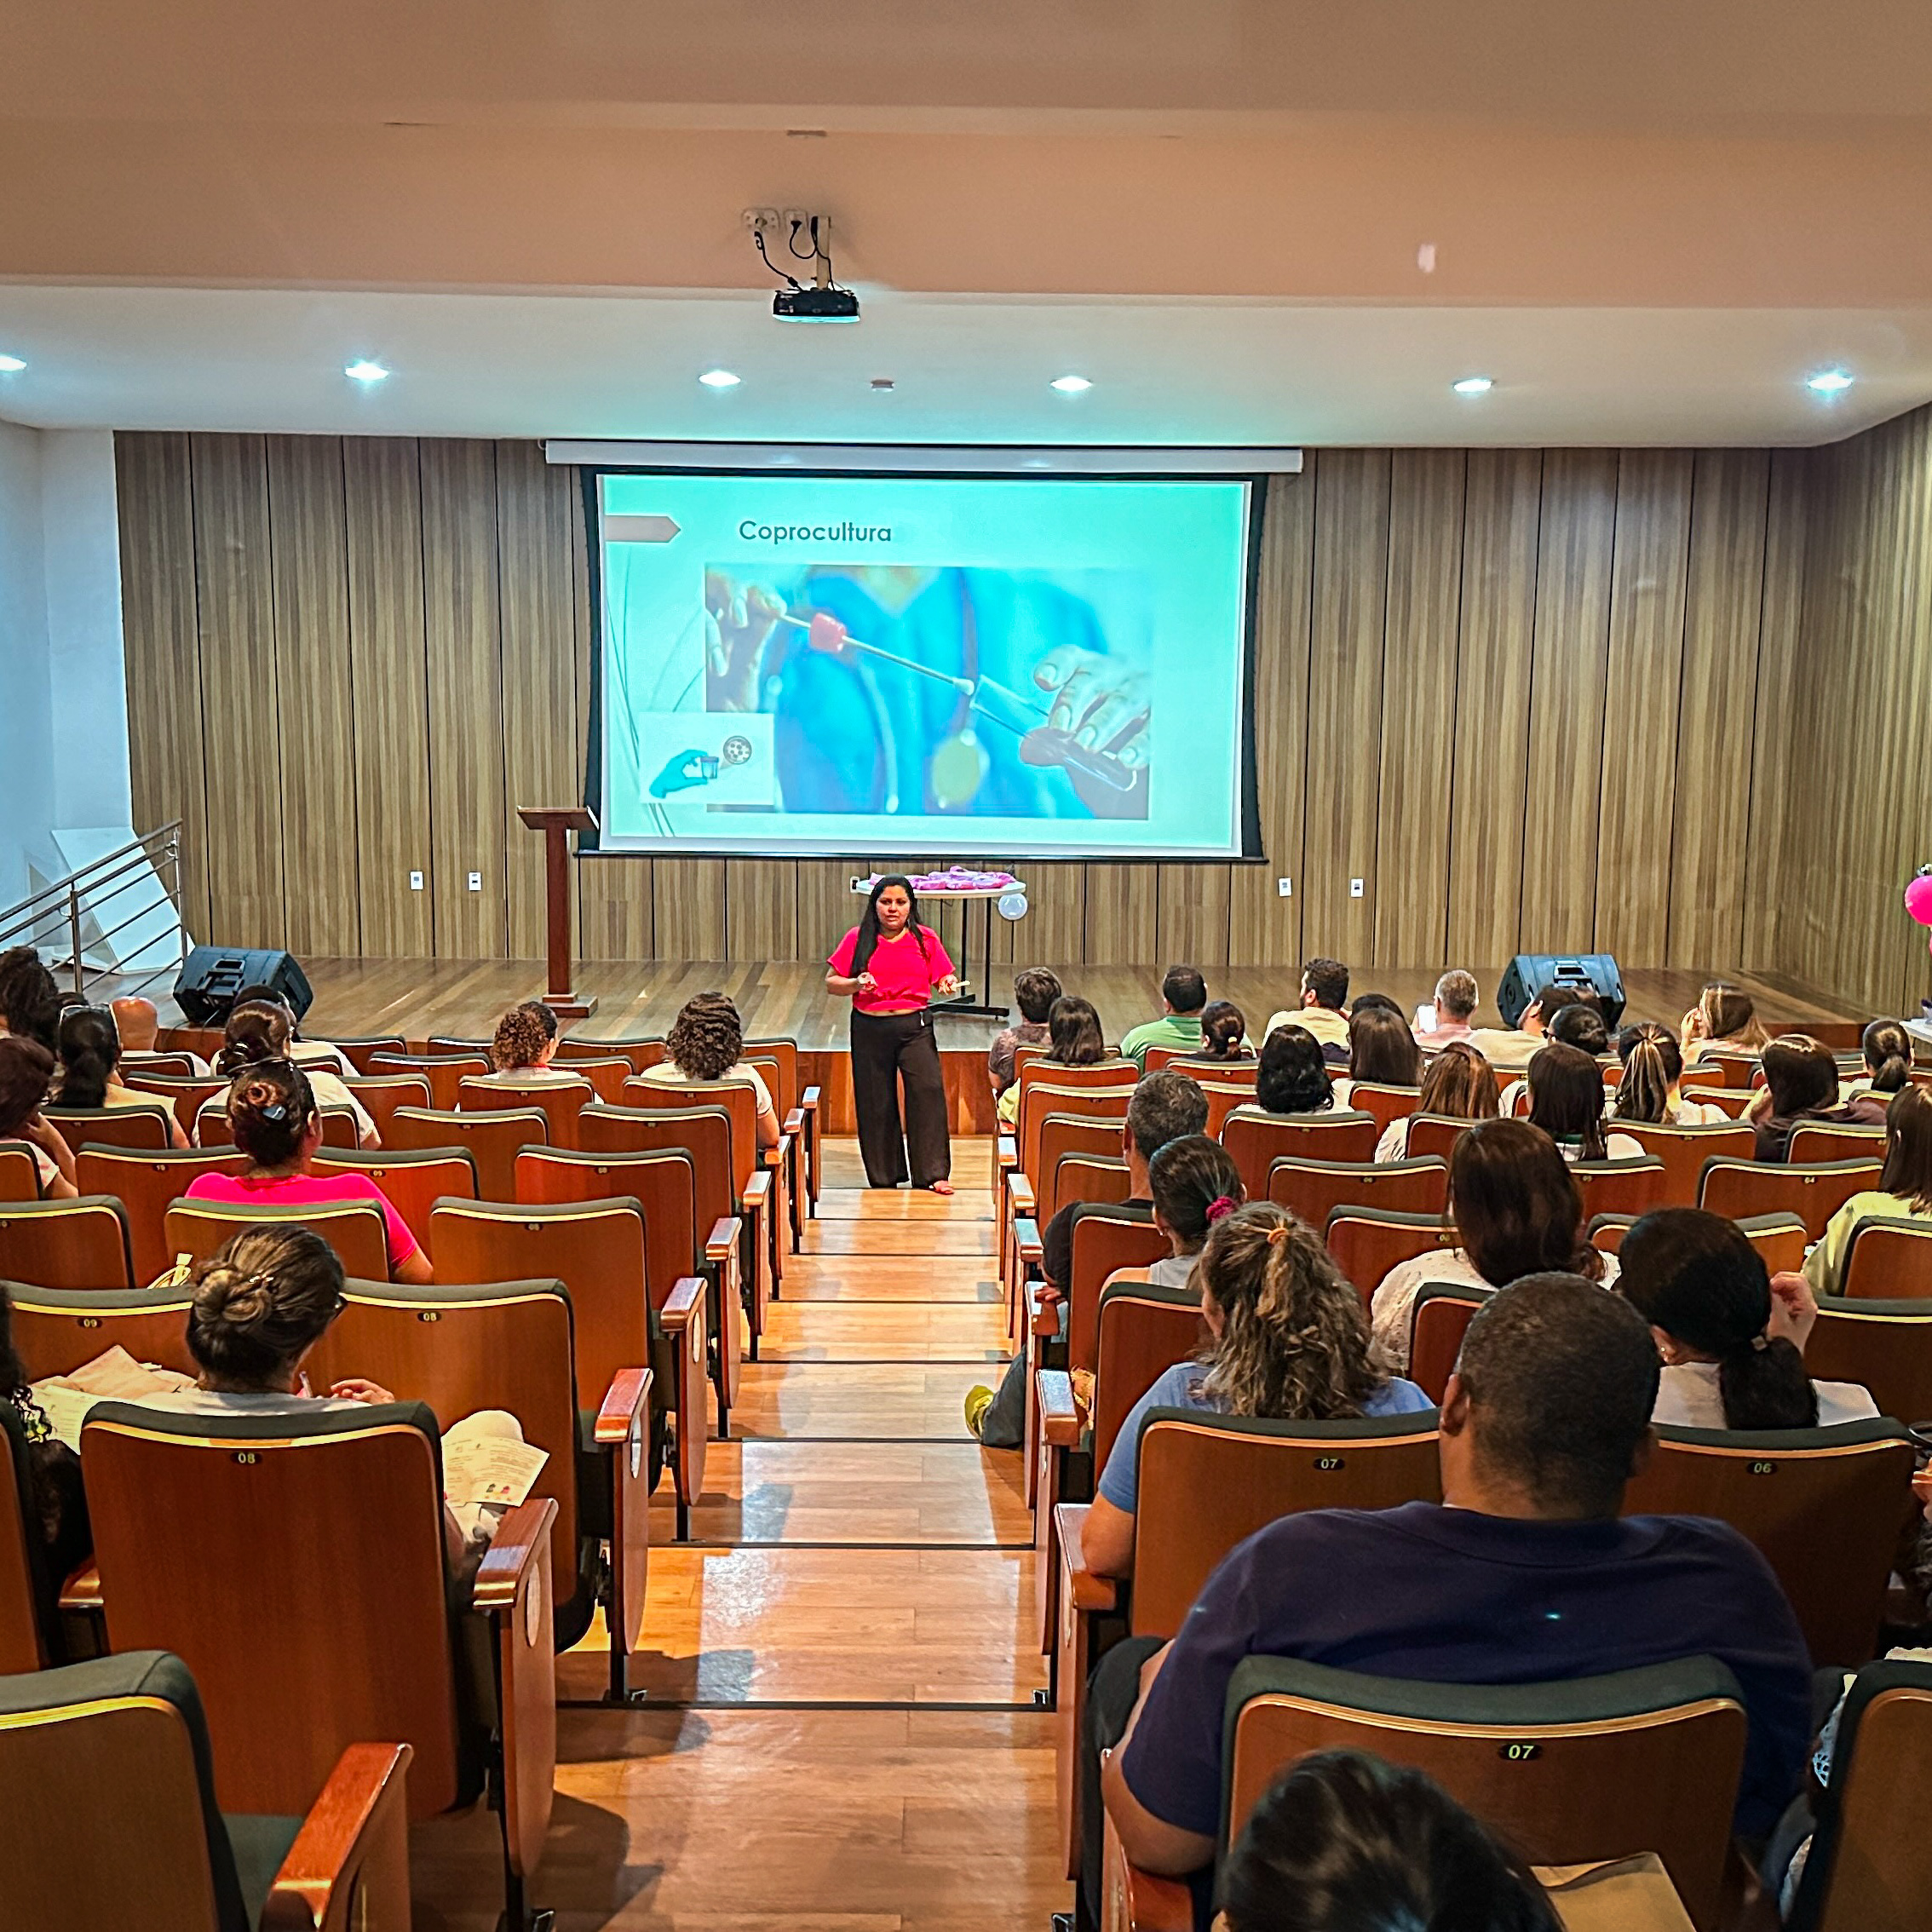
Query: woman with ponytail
point(1651, 1092)
point(90, 1045)
point(1888, 1065)
point(1732, 1339)
point(1288, 1341)
point(1193, 1184)
point(260, 1030)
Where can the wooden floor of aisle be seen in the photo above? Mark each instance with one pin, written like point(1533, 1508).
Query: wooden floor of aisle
point(840, 1734)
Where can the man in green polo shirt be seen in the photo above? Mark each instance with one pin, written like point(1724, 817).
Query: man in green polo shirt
point(1184, 994)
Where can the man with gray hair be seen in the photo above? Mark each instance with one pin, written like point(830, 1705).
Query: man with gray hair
point(1456, 998)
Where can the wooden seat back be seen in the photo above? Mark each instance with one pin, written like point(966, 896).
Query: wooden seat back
point(1087, 1177)
point(1621, 1187)
point(213, 1129)
point(1888, 1259)
point(1311, 1190)
point(558, 1102)
point(187, 1096)
point(1366, 1243)
point(1732, 1101)
point(1039, 1099)
point(1143, 1331)
point(1723, 1068)
point(1224, 1096)
point(607, 1075)
point(1738, 1189)
point(309, 1603)
point(637, 1054)
point(379, 1095)
point(83, 1243)
point(1884, 1347)
point(734, 1097)
point(363, 1048)
point(147, 1184)
point(1684, 1150)
point(1385, 1106)
point(449, 1046)
point(353, 1228)
point(1823, 1506)
point(1064, 1134)
point(1208, 1482)
point(26, 1598)
point(413, 1178)
point(664, 1182)
point(1816, 1140)
point(1579, 1773)
point(445, 1072)
point(1438, 1320)
point(702, 1132)
point(788, 1089)
point(57, 1331)
point(20, 1172)
point(1780, 1238)
point(491, 1139)
point(1104, 1242)
point(1254, 1140)
point(137, 1127)
point(1435, 1135)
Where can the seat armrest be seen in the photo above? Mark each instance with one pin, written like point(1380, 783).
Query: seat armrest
point(1149, 1902)
point(1020, 1193)
point(793, 1122)
point(82, 1590)
point(1006, 1152)
point(774, 1155)
point(1060, 1413)
point(522, 1538)
point(809, 1100)
point(722, 1243)
point(683, 1304)
point(757, 1190)
point(1027, 1242)
point(1086, 1590)
point(350, 1860)
point(627, 1397)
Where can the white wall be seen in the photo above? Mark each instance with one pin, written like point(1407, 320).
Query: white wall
point(63, 680)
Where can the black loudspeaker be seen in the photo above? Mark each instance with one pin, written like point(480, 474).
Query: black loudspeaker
point(1530, 973)
point(213, 975)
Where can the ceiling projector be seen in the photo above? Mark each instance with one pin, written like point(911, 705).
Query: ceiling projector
point(816, 305)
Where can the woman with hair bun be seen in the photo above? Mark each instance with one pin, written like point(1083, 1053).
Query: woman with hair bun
point(260, 1030)
point(1288, 1341)
point(1887, 1047)
point(276, 1122)
point(90, 1060)
point(1732, 1339)
point(1224, 1032)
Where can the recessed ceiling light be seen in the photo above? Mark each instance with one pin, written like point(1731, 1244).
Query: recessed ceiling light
point(365, 371)
point(1070, 385)
point(1474, 385)
point(11, 365)
point(719, 379)
point(1829, 381)
point(881, 385)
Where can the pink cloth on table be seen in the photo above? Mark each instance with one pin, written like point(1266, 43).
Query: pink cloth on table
point(906, 977)
point(305, 1190)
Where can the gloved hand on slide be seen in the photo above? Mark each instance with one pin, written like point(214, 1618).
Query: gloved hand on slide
point(683, 772)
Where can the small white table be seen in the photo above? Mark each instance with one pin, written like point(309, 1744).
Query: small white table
point(934, 888)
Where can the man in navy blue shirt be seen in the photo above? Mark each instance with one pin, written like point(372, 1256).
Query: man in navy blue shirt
point(1526, 1574)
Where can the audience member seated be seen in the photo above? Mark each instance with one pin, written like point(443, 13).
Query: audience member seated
point(90, 1058)
point(275, 1121)
point(1801, 1084)
point(1458, 1083)
point(1582, 1027)
point(260, 1030)
point(308, 1053)
point(1343, 1842)
point(1292, 1076)
point(260, 1304)
point(1509, 1050)
point(1652, 1089)
point(1904, 1192)
point(1290, 1343)
point(30, 1001)
point(53, 1475)
point(1034, 992)
point(523, 1047)
point(1381, 1049)
point(705, 1042)
point(1456, 998)
point(1192, 1184)
point(1224, 1032)
point(139, 1025)
point(1524, 1573)
point(1725, 1018)
point(1324, 992)
point(1516, 1210)
point(1165, 1106)
point(26, 1072)
point(1183, 998)
point(1888, 1065)
point(1074, 1038)
point(1565, 1101)
point(1732, 1337)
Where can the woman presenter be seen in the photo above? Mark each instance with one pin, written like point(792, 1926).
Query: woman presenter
point(890, 966)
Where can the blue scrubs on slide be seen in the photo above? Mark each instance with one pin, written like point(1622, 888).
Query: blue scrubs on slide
point(831, 756)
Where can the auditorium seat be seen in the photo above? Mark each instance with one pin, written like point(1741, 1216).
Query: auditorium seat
point(1384, 1105)
point(1438, 1320)
point(1254, 1140)
point(358, 1050)
point(20, 1172)
point(57, 1331)
point(794, 1156)
point(790, 1095)
point(83, 1243)
point(1099, 1178)
point(1779, 1237)
point(1738, 1189)
point(493, 1141)
point(1017, 1165)
point(607, 1075)
point(147, 1184)
point(1435, 1135)
point(353, 1228)
point(1313, 1189)
point(1225, 1097)
point(212, 1128)
point(639, 1053)
point(28, 1626)
point(1813, 1141)
point(1825, 1507)
point(186, 1096)
point(1891, 1260)
point(1366, 1243)
point(1581, 1773)
point(1684, 1150)
point(1622, 1187)
point(313, 1606)
point(558, 1102)
point(138, 1127)
point(414, 1179)
point(1732, 1100)
point(445, 1072)
point(1885, 1347)
point(1062, 1136)
point(108, 1816)
point(379, 1095)
point(449, 1046)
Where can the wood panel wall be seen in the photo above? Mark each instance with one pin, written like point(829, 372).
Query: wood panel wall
point(1553, 699)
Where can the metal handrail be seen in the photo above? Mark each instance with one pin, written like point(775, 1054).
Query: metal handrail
point(158, 852)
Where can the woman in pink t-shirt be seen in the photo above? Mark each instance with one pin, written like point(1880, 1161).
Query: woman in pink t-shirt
point(890, 966)
point(277, 1124)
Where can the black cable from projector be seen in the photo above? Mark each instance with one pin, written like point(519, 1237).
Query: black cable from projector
point(791, 241)
point(758, 236)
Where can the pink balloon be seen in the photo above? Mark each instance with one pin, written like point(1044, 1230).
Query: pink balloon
point(1918, 899)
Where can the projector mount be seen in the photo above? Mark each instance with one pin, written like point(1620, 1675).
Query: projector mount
point(823, 300)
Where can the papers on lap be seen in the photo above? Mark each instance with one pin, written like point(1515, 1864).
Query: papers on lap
point(114, 1377)
point(495, 1470)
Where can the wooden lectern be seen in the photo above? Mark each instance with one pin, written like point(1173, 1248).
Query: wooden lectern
point(556, 823)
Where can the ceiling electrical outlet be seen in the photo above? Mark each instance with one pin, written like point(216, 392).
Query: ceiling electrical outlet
point(760, 220)
point(416, 882)
point(1354, 889)
point(476, 881)
point(1286, 887)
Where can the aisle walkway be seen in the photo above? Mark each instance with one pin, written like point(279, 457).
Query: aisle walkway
point(841, 1734)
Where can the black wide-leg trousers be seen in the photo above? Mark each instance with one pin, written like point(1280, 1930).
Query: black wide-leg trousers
point(888, 1049)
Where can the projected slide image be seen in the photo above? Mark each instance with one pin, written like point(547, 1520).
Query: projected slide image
point(940, 689)
point(706, 761)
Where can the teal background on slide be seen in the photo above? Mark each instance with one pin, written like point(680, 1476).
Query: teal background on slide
point(1152, 576)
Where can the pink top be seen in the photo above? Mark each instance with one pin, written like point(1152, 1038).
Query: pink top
point(299, 1190)
point(905, 976)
